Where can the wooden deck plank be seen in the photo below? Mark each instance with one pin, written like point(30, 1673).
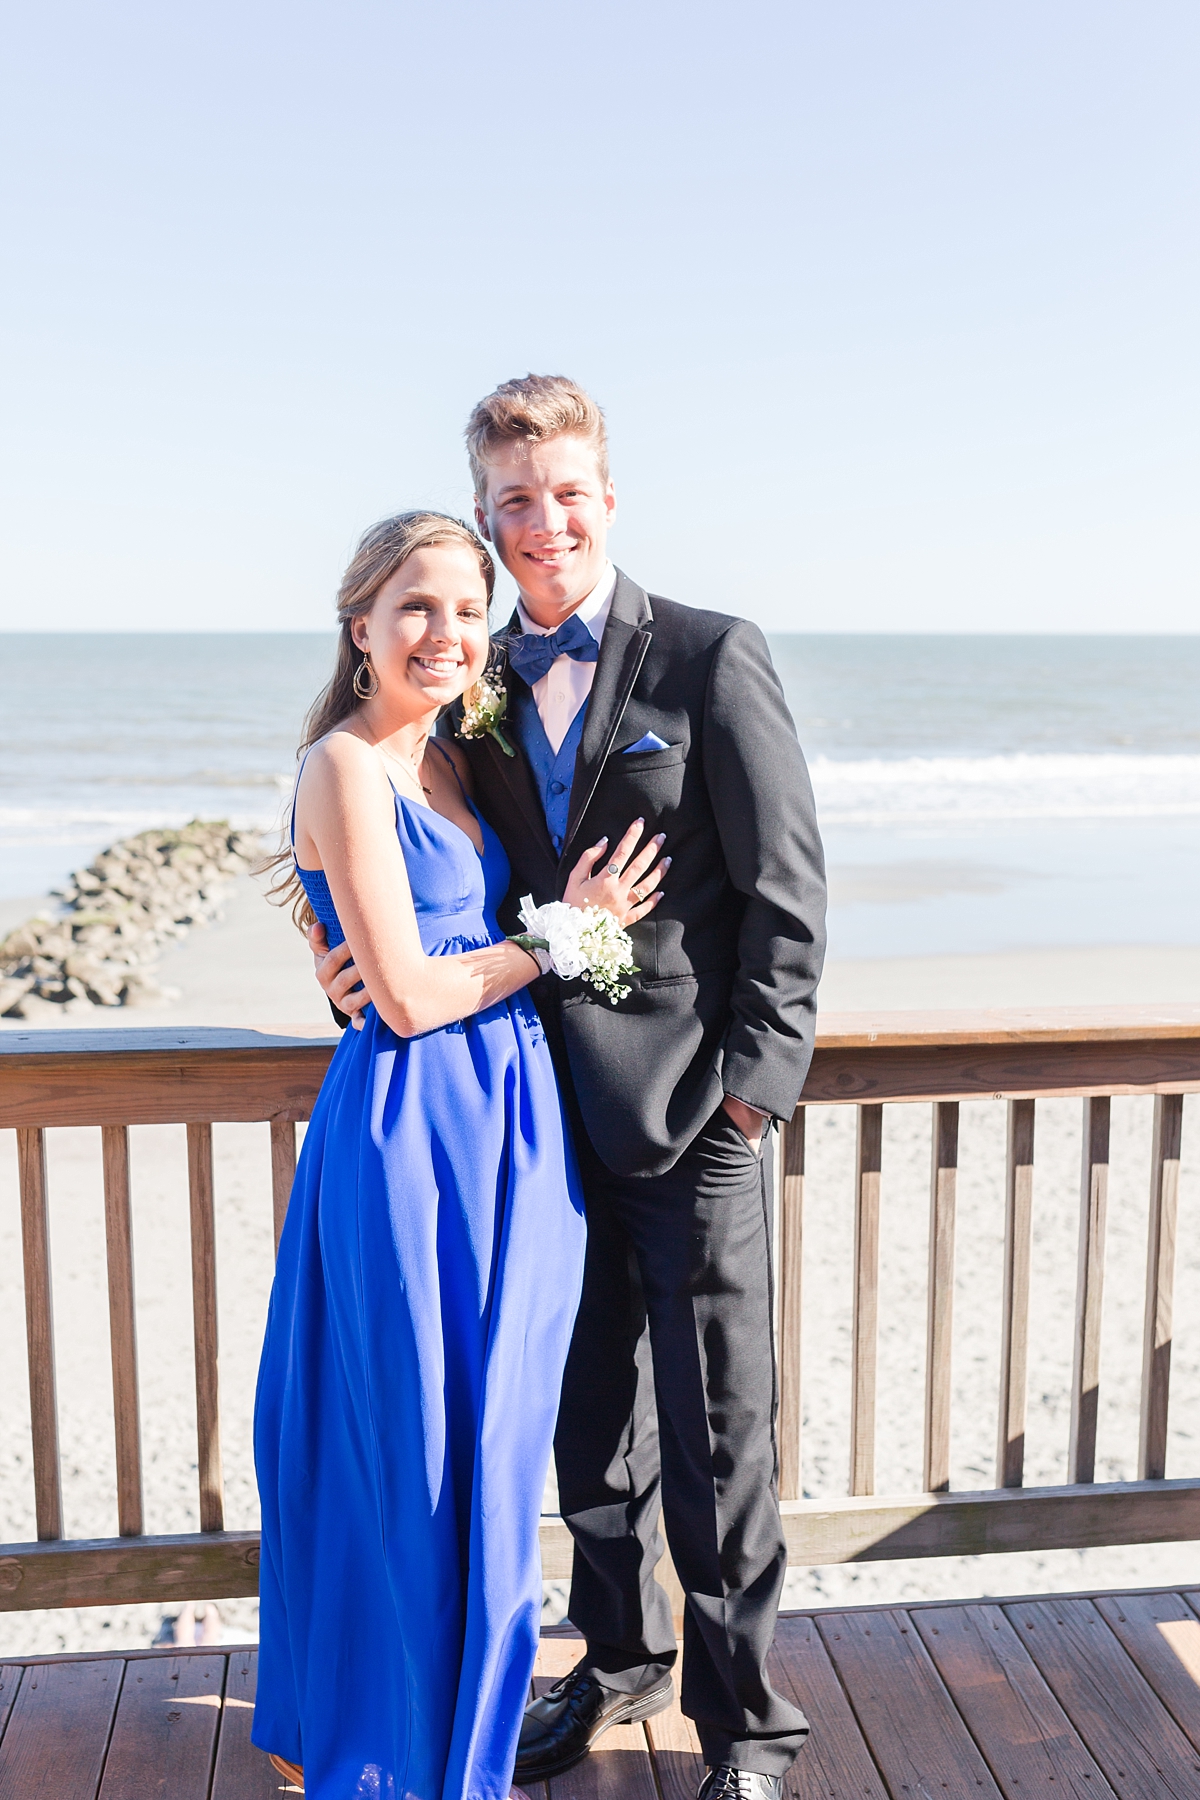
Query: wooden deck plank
point(675, 1747)
point(165, 1730)
point(908, 1720)
point(835, 1761)
point(556, 1656)
point(1095, 1700)
point(619, 1769)
point(58, 1731)
point(1107, 1699)
point(1026, 1737)
point(241, 1771)
point(10, 1681)
point(1162, 1635)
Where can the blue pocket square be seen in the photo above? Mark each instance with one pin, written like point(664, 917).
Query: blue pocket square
point(649, 742)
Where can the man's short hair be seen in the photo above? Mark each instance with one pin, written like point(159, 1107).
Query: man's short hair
point(530, 409)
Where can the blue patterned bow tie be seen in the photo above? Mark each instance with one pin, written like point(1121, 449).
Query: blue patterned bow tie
point(532, 656)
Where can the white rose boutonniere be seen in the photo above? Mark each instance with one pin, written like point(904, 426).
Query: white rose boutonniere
point(484, 705)
point(583, 941)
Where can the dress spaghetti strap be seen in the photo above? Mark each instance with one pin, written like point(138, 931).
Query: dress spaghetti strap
point(295, 791)
point(446, 757)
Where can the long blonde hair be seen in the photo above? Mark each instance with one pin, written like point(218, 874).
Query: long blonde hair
point(381, 550)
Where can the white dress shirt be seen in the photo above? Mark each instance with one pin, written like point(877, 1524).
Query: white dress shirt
point(561, 692)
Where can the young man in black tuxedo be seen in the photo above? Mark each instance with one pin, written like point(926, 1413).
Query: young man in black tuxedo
point(621, 705)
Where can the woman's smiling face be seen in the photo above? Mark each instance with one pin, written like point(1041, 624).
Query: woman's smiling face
point(427, 632)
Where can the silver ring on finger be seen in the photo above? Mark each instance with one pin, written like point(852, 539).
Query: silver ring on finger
point(612, 869)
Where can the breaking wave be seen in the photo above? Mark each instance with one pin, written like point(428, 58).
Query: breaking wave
point(951, 790)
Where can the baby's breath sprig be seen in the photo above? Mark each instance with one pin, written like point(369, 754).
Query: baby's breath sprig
point(484, 705)
point(583, 942)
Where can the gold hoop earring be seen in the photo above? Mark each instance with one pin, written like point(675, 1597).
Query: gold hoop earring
point(366, 693)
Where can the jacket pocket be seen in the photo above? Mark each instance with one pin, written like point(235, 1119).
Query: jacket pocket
point(634, 760)
point(650, 783)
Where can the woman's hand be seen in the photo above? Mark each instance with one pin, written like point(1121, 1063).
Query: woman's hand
point(621, 885)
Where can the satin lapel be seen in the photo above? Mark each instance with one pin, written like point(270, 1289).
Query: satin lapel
point(625, 642)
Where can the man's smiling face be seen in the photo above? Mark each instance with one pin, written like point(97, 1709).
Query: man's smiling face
point(547, 510)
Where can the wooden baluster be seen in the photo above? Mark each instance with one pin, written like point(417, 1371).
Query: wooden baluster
point(790, 1275)
point(283, 1170)
point(865, 1327)
point(118, 1230)
point(1089, 1292)
point(1160, 1286)
point(943, 1189)
point(39, 1331)
point(204, 1325)
point(1014, 1347)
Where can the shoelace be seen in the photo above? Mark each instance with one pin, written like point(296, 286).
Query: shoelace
point(730, 1784)
point(568, 1686)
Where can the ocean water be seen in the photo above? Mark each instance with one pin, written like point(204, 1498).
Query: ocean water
point(997, 793)
point(975, 793)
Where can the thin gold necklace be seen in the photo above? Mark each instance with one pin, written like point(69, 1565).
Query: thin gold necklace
point(408, 768)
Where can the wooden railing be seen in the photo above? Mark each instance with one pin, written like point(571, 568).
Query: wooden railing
point(112, 1080)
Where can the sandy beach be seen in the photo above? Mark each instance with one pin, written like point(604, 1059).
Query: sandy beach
point(252, 967)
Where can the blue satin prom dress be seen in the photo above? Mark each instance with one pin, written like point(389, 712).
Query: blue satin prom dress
point(427, 1282)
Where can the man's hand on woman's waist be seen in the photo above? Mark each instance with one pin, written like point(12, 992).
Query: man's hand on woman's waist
point(337, 976)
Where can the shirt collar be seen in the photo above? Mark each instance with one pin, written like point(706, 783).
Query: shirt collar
point(593, 611)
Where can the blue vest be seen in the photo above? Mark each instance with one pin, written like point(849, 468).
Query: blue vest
point(552, 775)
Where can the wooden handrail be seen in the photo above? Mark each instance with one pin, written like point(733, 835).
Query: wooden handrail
point(118, 1078)
point(156, 1076)
point(1010, 1025)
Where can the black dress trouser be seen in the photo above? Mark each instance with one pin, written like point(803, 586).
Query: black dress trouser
point(669, 1398)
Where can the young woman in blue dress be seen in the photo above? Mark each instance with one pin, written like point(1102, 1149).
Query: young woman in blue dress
point(430, 1264)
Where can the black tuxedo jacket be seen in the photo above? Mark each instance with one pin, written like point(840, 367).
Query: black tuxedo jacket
point(730, 959)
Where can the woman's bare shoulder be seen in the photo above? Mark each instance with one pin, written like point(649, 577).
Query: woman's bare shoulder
point(344, 765)
point(342, 750)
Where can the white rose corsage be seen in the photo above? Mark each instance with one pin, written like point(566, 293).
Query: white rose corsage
point(484, 705)
point(583, 941)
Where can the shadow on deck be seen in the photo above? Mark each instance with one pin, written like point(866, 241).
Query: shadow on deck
point(1082, 1695)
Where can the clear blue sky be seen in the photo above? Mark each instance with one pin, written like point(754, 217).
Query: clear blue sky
point(892, 307)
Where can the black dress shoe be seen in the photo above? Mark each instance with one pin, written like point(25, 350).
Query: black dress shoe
point(561, 1727)
point(728, 1783)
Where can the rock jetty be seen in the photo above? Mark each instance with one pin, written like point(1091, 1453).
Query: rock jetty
point(115, 916)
